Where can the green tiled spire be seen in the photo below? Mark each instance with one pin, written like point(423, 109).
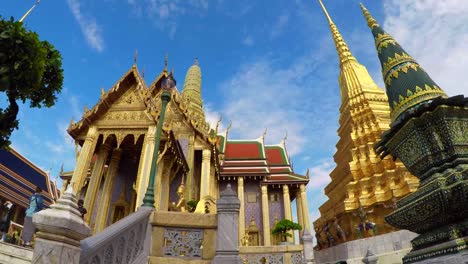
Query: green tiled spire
point(192, 89)
point(406, 82)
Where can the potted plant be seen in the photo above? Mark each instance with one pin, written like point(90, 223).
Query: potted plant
point(282, 228)
point(192, 204)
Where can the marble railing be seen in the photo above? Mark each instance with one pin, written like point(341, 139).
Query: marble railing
point(272, 254)
point(179, 235)
point(126, 241)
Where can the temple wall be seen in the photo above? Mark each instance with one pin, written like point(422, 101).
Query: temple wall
point(253, 209)
point(276, 209)
point(174, 185)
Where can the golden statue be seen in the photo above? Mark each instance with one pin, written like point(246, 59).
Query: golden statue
point(180, 206)
point(246, 239)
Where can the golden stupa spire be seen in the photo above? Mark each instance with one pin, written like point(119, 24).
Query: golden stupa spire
point(341, 47)
point(29, 11)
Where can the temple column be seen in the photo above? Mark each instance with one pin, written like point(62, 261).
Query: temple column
point(240, 195)
point(205, 173)
point(287, 209)
point(305, 208)
point(95, 181)
point(107, 190)
point(84, 159)
point(190, 159)
point(265, 217)
point(300, 218)
point(144, 167)
point(162, 164)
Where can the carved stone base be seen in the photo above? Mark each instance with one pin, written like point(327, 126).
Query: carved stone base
point(453, 251)
point(227, 259)
point(52, 252)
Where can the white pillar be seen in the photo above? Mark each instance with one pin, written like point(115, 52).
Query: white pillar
point(205, 173)
point(305, 208)
point(287, 209)
point(265, 217)
point(240, 194)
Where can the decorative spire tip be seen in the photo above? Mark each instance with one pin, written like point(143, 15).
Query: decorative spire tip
point(195, 62)
point(165, 62)
point(371, 22)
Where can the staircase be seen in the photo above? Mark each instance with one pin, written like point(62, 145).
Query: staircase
point(12, 254)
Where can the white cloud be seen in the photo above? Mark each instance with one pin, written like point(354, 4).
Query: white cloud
point(435, 33)
point(164, 13)
point(320, 174)
point(279, 26)
point(248, 41)
point(282, 97)
point(91, 30)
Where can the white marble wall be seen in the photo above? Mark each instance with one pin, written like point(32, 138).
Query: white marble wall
point(393, 246)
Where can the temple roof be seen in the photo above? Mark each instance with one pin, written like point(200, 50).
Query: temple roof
point(406, 82)
point(19, 178)
point(254, 158)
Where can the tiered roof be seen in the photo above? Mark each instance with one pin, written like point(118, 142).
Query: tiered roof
point(254, 158)
point(19, 178)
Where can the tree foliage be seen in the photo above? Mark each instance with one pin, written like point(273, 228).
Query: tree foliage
point(30, 70)
point(283, 226)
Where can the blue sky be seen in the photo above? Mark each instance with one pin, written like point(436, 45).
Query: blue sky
point(265, 64)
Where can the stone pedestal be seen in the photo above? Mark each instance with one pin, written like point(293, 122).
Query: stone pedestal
point(307, 239)
point(227, 240)
point(60, 230)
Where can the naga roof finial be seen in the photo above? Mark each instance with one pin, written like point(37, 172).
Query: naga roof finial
point(165, 62)
point(135, 56)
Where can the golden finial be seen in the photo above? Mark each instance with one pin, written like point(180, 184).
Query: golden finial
point(135, 58)
point(371, 22)
point(229, 126)
point(307, 173)
point(217, 124)
point(165, 62)
point(86, 108)
point(172, 71)
point(29, 11)
point(72, 121)
point(341, 47)
point(102, 91)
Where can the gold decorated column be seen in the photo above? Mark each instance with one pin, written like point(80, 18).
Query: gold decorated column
point(240, 194)
point(265, 217)
point(107, 190)
point(300, 218)
point(205, 173)
point(287, 209)
point(95, 182)
point(84, 159)
point(190, 159)
point(162, 164)
point(305, 208)
point(144, 167)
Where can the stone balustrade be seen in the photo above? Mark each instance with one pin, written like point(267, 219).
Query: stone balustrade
point(126, 241)
point(288, 254)
point(182, 237)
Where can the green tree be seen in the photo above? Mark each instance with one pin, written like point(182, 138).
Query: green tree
point(30, 70)
point(283, 226)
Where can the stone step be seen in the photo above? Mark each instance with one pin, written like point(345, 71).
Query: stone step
point(165, 260)
point(12, 254)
